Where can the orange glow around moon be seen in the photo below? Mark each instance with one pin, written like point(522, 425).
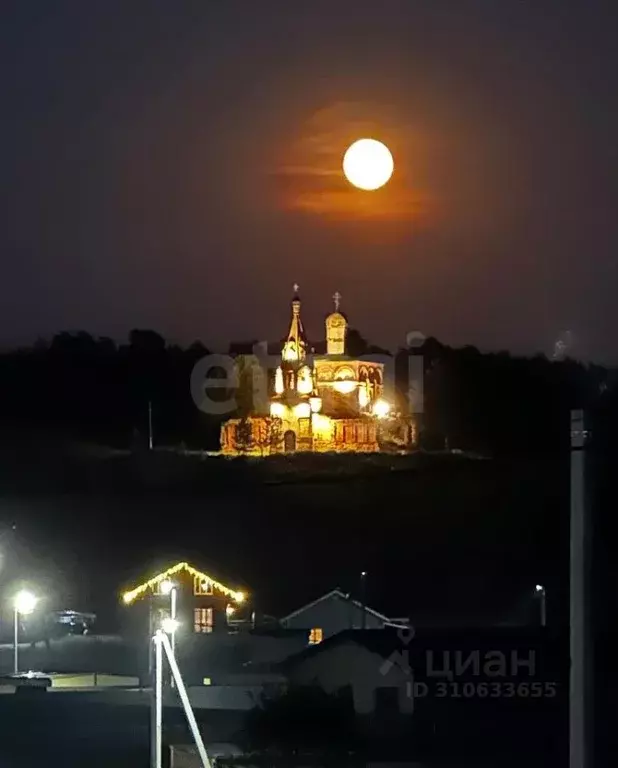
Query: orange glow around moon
point(368, 164)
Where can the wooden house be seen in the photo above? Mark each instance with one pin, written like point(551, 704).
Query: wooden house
point(200, 603)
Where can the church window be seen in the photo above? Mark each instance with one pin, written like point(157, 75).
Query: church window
point(201, 587)
point(279, 381)
point(290, 353)
point(316, 636)
point(361, 433)
point(338, 432)
point(344, 373)
point(345, 381)
point(203, 620)
point(304, 428)
point(304, 384)
point(349, 433)
point(363, 395)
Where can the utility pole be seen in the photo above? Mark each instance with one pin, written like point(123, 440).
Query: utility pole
point(580, 687)
point(542, 597)
point(363, 597)
point(152, 680)
point(150, 425)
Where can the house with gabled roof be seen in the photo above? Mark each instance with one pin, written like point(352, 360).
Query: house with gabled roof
point(200, 602)
point(336, 612)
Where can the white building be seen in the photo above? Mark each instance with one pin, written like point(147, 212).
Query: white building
point(336, 612)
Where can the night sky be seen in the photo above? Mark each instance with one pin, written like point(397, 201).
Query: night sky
point(176, 165)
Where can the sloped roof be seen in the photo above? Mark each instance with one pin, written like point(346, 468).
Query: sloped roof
point(141, 589)
point(342, 596)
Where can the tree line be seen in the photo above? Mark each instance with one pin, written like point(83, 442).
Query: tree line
point(94, 389)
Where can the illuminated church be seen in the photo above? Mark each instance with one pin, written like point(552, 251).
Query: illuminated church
point(320, 403)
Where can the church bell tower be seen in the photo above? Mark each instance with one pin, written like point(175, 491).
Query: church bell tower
point(336, 327)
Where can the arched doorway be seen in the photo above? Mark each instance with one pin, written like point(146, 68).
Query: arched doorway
point(289, 441)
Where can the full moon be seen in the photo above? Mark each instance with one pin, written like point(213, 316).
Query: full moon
point(368, 164)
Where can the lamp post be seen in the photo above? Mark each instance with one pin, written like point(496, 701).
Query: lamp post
point(363, 597)
point(540, 591)
point(150, 425)
point(169, 588)
point(23, 604)
point(173, 594)
point(170, 625)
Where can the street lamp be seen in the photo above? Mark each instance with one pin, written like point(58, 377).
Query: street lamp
point(24, 603)
point(169, 626)
point(540, 591)
point(168, 587)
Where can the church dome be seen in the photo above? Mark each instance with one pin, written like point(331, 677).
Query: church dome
point(336, 318)
point(336, 327)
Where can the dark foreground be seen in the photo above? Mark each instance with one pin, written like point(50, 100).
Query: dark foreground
point(61, 730)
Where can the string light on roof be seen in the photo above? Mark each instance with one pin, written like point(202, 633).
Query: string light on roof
point(131, 595)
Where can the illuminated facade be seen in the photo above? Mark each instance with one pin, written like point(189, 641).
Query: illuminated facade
point(320, 403)
point(203, 604)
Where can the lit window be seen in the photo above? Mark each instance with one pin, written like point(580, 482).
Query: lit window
point(201, 587)
point(290, 351)
point(202, 620)
point(316, 636)
point(279, 386)
point(345, 381)
point(363, 396)
point(344, 373)
point(304, 428)
point(304, 383)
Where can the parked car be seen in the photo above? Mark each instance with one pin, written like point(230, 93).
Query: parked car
point(71, 622)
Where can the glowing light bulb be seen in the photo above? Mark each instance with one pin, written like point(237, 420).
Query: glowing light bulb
point(277, 410)
point(25, 602)
point(302, 410)
point(381, 409)
point(169, 625)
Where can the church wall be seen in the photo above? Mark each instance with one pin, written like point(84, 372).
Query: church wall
point(319, 434)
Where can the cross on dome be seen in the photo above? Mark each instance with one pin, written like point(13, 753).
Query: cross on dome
point(337, 298)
